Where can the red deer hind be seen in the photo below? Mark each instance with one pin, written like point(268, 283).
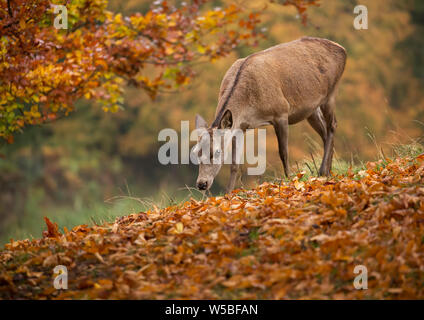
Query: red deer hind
point(280, 86)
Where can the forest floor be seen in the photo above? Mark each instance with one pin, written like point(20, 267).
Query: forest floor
point(308, 238)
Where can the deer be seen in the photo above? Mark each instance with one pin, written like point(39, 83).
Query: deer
point(279, 86)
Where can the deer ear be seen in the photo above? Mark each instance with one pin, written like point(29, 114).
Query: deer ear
point(200, 122)
point(226, 120)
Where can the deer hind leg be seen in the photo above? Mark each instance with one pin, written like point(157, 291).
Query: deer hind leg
point(331, 122)
point(281, 127)
point(318, 123)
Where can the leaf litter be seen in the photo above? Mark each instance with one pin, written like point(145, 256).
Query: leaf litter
point(297, 240)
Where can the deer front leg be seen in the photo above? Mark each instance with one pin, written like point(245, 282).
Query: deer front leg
point(233, 177)
point(281, 127)
point(234, 167)
point(330, 119)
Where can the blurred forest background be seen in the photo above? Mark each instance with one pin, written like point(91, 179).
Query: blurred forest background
point(93, 165)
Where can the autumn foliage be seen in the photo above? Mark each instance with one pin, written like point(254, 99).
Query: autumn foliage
point(44, 70)
point(300, 239)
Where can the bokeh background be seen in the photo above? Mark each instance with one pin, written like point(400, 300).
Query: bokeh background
point(92, 166)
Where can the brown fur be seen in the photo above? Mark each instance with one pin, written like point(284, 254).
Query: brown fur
point(302, 73)
point(283, 85)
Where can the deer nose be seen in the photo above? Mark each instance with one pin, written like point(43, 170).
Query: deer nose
point(202, 185)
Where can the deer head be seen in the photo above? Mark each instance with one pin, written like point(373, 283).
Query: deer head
point(210, 148)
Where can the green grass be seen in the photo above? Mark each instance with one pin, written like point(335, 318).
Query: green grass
point(408, 150)
point(310, 166)
point(30, 224)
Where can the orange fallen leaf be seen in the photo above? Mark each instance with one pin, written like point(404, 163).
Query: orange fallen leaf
point(52, 229)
